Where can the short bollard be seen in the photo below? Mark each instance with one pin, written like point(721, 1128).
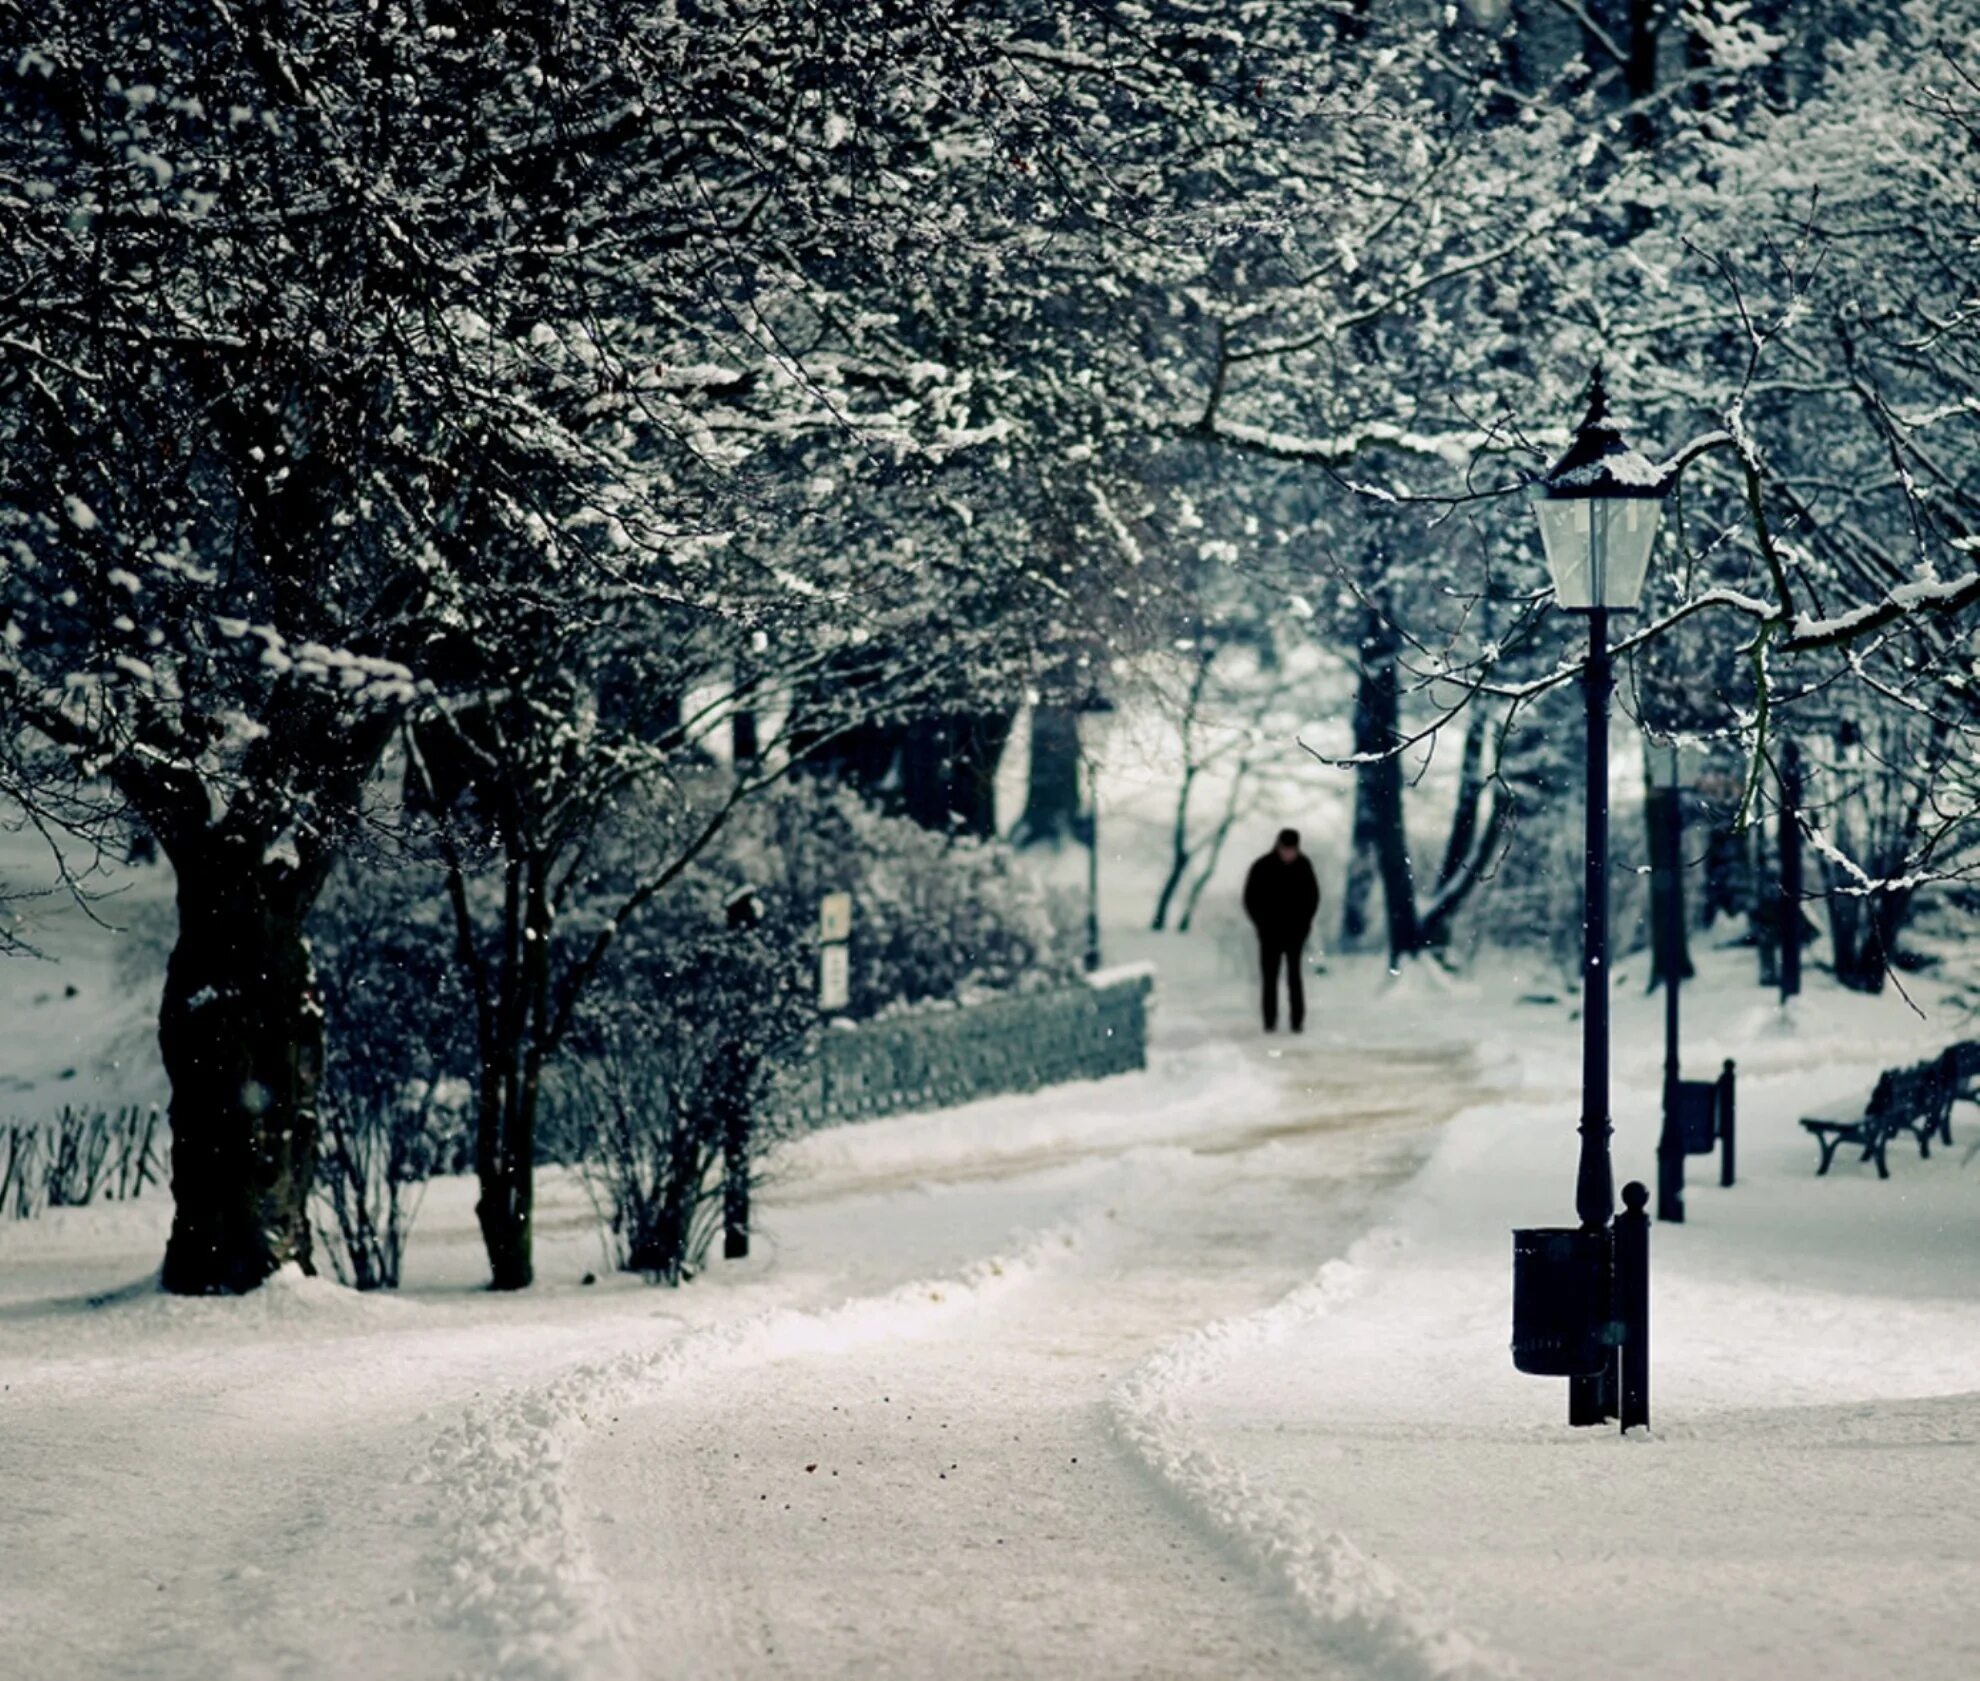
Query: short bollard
point(735, 1186)
point(1633, 1303)
point(1726, 1124)
point(1670, 1168)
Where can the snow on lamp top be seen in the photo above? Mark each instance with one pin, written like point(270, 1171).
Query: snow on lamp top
point(1598, 508)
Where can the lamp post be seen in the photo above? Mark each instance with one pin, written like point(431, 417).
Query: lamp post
point(1661, 760)
point(1094, 718)
point(1598, 508)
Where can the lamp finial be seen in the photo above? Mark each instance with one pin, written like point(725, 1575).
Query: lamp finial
point(1598, 400)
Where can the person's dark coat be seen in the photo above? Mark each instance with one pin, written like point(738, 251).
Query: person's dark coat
point(1282, 898)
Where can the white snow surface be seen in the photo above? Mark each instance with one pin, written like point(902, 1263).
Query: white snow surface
point(1803, 1503)
point(1201, 1372)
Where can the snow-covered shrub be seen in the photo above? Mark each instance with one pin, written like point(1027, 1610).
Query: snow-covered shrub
point(392, 1105)
point(664, 1101)
point(934, 917)
point(76, 1158)
point(645, 1116)
point(661, 1103)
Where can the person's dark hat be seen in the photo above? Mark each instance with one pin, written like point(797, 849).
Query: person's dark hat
point(1289, 837)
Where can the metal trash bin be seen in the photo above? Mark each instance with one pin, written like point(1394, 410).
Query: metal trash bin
point(1698, 1116)
point(1561, 1307)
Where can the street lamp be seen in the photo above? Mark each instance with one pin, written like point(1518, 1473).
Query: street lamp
point(1598, 507)
point(1094, 719)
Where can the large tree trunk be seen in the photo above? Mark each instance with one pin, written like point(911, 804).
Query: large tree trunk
point(1051, 798)
point(242, 1038)
point(514, 1013)
point(1397, 869)
point(505, 1168)
point(1864, 927)
point(1728, 872)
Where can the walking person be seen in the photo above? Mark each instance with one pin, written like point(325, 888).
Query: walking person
point(1282, 897)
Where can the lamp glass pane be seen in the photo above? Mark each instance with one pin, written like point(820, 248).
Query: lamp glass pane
point(1598, 548)
point(1626, 528)
point(1564, 532)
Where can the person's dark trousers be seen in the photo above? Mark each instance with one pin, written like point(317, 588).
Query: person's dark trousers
point(1271, 953)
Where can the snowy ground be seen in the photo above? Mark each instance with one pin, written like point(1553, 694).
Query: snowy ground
point(1804, 1503)
point(611, 1480)
point(1196, 1373)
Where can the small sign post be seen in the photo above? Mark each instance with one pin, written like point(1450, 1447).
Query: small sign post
point(834, 952)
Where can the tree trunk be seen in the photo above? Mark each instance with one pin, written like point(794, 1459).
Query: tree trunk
point(1397, 869)
point(1727, 888)
point(1850, 943)
point(515, 1020)
point(745, 741)
point(241, 1034)
point(1373, 733)
point(1180, 848)
point(1790, 892)
point(1051, 798)
point(1863, 934)
point(1213, 853)
point(1472, 841)
point(1640, 71)
point(1762, 911)
point(1670, 950)
point(1179, 852)
point(1379, 787)
point(505, 1144)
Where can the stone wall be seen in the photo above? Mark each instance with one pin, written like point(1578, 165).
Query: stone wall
point(933, 1058)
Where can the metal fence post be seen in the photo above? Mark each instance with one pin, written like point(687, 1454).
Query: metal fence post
point(1726, 1084)
point(735, 1181)
point(1633, 1304)
point(1670, 1161)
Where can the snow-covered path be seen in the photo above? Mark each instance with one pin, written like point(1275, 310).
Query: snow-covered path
point(956, 1499)
point(584, 1482)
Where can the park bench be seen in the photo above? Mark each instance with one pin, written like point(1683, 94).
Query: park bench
point(1917, 1100)
point(1963, 1065)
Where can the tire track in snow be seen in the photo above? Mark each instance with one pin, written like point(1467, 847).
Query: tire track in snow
point(1369, 1617)
point(963, 1505)
point(521, 1581)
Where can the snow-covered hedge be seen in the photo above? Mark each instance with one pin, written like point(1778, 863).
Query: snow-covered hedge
point(931, 1058)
